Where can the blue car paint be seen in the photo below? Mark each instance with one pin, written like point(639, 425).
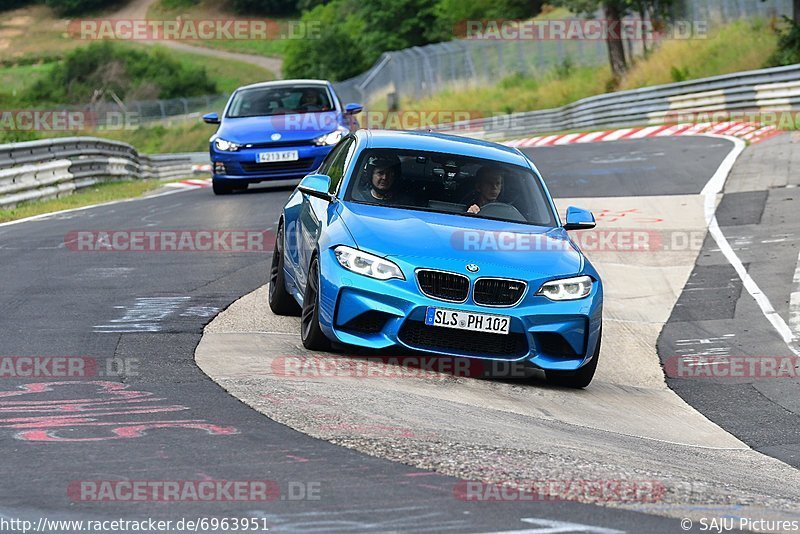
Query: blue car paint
point(295, 130)
point(314, 226)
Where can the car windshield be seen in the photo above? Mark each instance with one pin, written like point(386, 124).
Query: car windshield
point(453, 184)
point(267, 101)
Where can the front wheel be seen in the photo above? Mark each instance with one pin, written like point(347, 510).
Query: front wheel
point(310, 333)
point(576, 379)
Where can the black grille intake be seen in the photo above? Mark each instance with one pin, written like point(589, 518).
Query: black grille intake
point(301, 164)
point(497, 291)
point(444, 286)
point(370, 322)
point(463, 342)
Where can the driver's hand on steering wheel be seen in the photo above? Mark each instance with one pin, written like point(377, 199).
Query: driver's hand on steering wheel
point(473, 209)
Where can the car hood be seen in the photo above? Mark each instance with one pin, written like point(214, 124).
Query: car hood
point(453, 241)
point(294, 127)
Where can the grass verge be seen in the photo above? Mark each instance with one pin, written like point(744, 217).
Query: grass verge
point(96, 194)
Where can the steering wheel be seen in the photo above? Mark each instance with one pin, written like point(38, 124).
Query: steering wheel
point(501, 210)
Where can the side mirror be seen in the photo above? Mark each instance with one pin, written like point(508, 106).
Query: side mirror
point(211, 118)
point(352, 109)
point(316, 185)
point(579, 219)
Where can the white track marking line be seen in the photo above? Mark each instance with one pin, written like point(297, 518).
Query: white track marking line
point(111, 203)
point(794, 302)
point(709, 192)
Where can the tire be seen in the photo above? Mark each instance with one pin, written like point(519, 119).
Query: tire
point(310, 333)
point(576, 379)
point(281, 302)
point(220, 188)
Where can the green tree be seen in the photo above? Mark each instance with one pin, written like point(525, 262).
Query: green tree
point(334, 52)
point(613, 11)
point(451, 15)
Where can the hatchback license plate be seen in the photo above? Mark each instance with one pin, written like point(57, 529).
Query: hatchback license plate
point(283, 155)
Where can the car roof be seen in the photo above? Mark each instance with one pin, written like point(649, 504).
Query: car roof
point(285, 83)
point(440, 142)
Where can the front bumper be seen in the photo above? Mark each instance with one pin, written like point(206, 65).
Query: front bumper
point(242, 166)
point(375, 314)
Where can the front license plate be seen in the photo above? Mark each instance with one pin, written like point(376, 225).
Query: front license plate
point(283, 155)
point(463, 320)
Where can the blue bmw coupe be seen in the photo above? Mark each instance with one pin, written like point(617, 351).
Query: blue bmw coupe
point(277, 132)
point(440, 244)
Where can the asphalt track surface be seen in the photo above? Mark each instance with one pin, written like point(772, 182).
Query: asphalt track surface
point(149, 309)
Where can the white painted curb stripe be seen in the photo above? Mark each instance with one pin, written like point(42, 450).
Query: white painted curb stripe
point(709, 192)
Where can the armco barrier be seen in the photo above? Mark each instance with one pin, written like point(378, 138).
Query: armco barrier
point(767, 90)
point(53, 167)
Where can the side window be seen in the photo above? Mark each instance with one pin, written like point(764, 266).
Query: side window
point(339, 163)
point(325, 166)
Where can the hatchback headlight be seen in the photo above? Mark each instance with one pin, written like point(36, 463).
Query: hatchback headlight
point(331, 138)
point(574, 288)
point(367, 264)
point(226, 146)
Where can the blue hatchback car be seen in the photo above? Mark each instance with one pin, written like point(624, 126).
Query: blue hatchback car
point(276, 131)
point(441, 244)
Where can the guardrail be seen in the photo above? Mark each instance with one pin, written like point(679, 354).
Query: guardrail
point(768, 90)
point(49, 168)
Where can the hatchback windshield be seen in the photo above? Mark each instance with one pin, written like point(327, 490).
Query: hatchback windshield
point(266, 101)
point(453, 184)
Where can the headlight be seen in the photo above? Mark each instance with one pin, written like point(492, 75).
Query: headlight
point(330, 138)
point(567, 288)
point(226, 146)
point(367, 264)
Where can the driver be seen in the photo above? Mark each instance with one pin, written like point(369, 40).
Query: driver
point(488, 187)
point(310, 99)
point(383, 173)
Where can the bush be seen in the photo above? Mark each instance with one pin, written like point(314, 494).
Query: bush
point(14, 4)
point(78, 7)
point(265, 7)
point(788, 52)
point(129, 73)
